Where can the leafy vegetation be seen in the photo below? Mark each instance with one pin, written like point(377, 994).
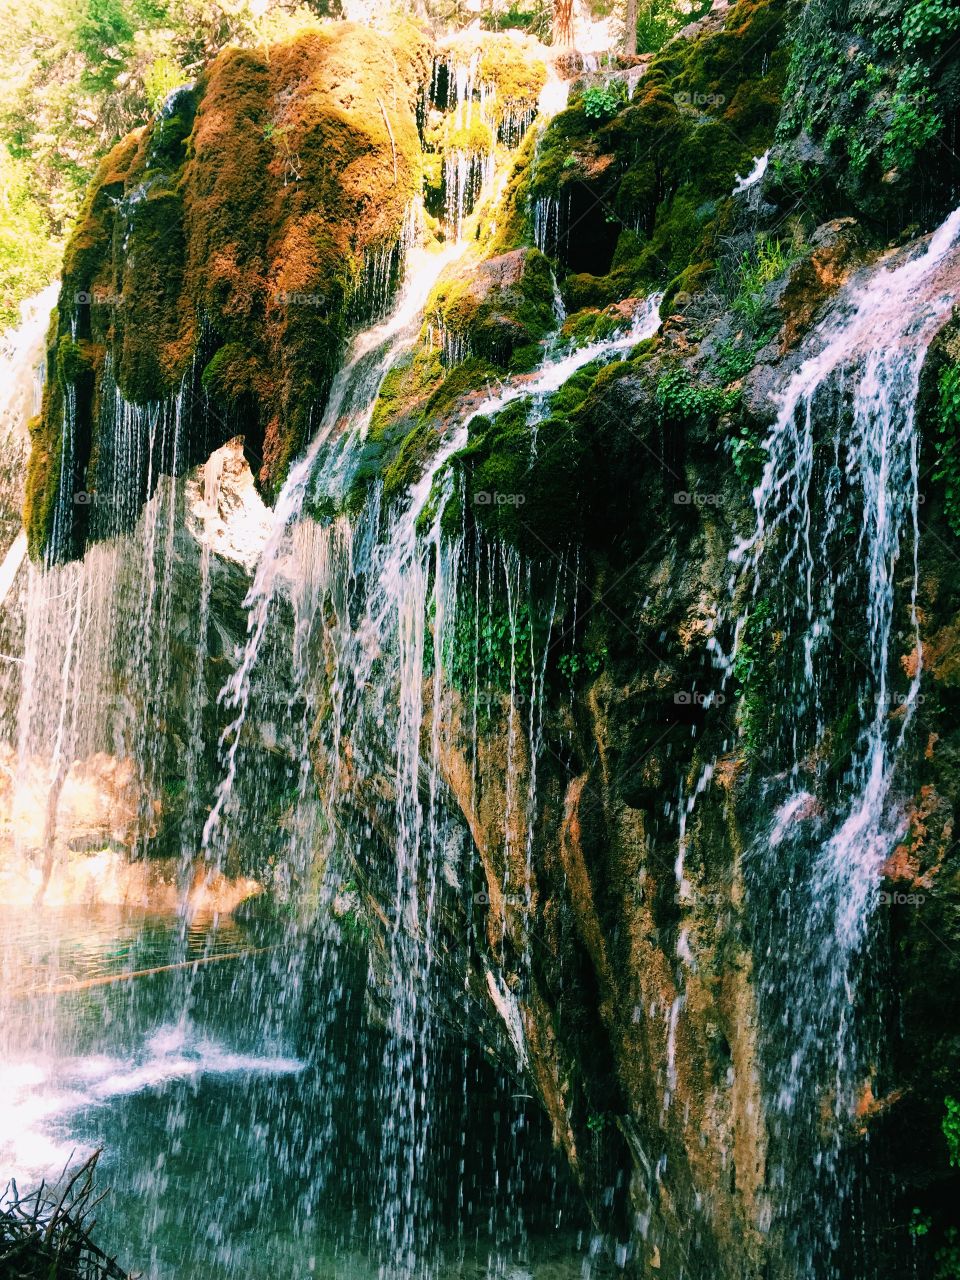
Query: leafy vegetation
point(946, 444)
point(951, 1129)
point(76, 76)
point(658, 21)
point(757, 268)
point(28, 253)
point(600, 102)
point(752, 671)
point(873, 87)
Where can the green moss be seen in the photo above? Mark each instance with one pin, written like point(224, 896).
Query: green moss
point(516, 77)
point(873, 93)
point(472, 375)
point(559, 483)
point(73, 359)
point(947, 443)
point(664, 164)
point(410, 460)
point(505, 304)
point(229, 373)
point(40, 488)
point(513, 218)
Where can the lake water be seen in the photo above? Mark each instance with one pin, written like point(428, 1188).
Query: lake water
point(234, 1103)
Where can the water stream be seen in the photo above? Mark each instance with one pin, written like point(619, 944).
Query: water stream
point(832, 567)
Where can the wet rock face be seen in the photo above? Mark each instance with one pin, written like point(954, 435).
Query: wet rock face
point(652, 1085)
point(871, 107)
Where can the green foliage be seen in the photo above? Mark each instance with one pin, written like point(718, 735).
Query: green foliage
point(734, 360)
point(29, 256)
point(601, 102)
point(756, 269)
point(104, 36)
point(947, 1258)
point(582, 662)
point(658, 21)
point(753, 674)
point(487, 643)
point(946, 444)
point(914, 121)
point(930, 22)
point(873, 87)
point(680, 400)
point(951, 1129)
point(77, 75)
point(160, 79)
point(747, 453)
point(919, 1224)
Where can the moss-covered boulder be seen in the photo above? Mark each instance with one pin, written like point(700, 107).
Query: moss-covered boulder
point(228, 248)
point(634, 192)
point(505, 304)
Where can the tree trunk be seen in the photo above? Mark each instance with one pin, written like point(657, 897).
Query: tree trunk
point(563, 22)
point(630, 27)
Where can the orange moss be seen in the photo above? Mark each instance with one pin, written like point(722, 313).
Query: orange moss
point(242, 217)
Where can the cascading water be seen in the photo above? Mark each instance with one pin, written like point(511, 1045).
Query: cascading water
point(831, 568)
point(388, 596)
point(346, 702)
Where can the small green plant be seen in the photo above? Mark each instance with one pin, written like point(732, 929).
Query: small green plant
point(914, 121)
point(658, 21)
point(596, 1122)
point(601, 102)
point(752, 672)
point(919, 1224)
point(754, 272)
point(947, 1258)
point(946, 444)
point(680, 400)
point(160, 79)
point(734, 361)
point(930, 22)
point(580, 662)
point(747, 453)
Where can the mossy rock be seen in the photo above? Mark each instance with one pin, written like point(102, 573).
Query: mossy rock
point(572, 478)
point(506, 303)
point(652, 185)
point(238, 227)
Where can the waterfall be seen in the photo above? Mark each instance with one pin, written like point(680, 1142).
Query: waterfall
point(22, 373)
point(832, 562)
point(376, 600)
